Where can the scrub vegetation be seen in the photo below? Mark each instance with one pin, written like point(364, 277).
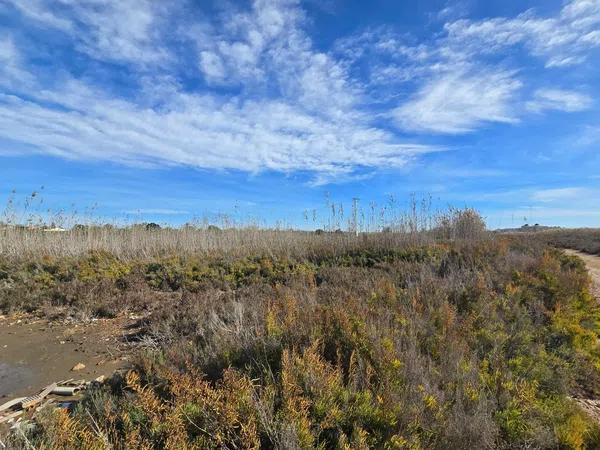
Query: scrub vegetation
point(436, 337)
point(584, 239)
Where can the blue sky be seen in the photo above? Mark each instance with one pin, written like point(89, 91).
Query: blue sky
point(167, 111)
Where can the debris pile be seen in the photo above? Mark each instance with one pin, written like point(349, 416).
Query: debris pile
point(11, 411)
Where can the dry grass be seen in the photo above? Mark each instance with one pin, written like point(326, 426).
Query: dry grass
point(25, 233)
point(138, 242)
point(583, 239)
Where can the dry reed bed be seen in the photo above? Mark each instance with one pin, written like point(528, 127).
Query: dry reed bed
point(141, 243)
point(418, 226)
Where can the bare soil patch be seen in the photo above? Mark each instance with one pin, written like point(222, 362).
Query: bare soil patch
point(35, 353)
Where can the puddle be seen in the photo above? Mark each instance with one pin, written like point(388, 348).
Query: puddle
point(13, 378)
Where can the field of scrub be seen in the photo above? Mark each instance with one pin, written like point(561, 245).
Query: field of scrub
point(329, 340)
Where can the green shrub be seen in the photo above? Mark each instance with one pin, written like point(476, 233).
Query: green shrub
point(458, 345)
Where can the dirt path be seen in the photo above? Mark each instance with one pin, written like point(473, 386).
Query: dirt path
point(593, 265)
point(35, 353)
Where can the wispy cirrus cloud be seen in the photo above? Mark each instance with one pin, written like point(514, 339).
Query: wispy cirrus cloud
point(562, 40)
point(465, 79)
point(296, 110)
point(38, 11)
point(558, 99)
point(241, 46)
point(266, 48)
point(559, 194)
point(203, 132)
point(540, 213)
point(460, 102)
point(247, 89)
point(129, 31)
point(11, 72)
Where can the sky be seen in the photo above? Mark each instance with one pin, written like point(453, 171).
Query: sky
point(269, 110)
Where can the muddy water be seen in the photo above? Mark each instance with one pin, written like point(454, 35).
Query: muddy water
point(13, 378)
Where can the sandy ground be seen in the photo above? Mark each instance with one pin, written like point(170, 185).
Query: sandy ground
point(35, 353)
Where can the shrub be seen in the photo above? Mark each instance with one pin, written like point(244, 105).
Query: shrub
point(475, 344)
point(465, 224)
point(152, 226)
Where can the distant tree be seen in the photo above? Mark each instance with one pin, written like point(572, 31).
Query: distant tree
point(461, 224)
point(213, 228)
point(152, 226)
point(468, 223)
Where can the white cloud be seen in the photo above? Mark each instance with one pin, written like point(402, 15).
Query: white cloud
point(460, 102)
point(121, 30)
point(106, 29)
point(8, 54)
point(266, 48)
point(341, 177)
point(551, 213)
point(202, 131)
point(558, 99)
point(307, 120)
point(464, 79)
point(38, 11)
point(560, 194)
point(11, 72)
point(564, 39)
point(246, 43)
point(273, 101)
point(454, 9)
point(212, 66)
point(561, 40)
point(582, 13)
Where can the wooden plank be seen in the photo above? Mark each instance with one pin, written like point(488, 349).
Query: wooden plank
point(11, 403)
point(12, 415)
point(35, 399)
